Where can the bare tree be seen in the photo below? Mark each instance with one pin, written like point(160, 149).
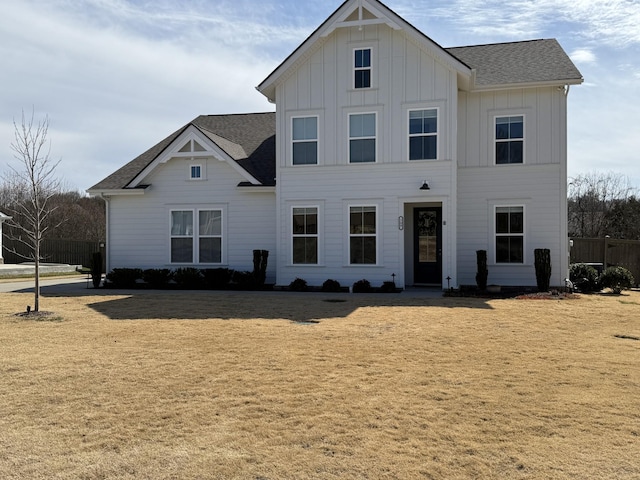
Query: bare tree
point(592, 199)
point(30, 186)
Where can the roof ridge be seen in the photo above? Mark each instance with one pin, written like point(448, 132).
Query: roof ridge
point(502, 43)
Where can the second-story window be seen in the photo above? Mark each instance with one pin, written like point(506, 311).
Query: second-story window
point(362, 137)
point(509, 140)
point(362, 68)
point(423, 134)
point(305, 140)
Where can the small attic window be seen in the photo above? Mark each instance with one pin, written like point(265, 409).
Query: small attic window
point(195, 172)
point(192, 146)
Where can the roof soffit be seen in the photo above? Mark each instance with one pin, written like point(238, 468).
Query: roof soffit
point(211, 150)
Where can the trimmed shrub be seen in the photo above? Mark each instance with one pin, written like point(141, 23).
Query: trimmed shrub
point(617, 279)
point(362, 286)
point(217, 278)
point(388, 287)
point(584, 277)
point(482, 273)
point(96, 269)
point(243, 280)
point(331, 286)
point(298, 285)
point(157, 277)
point(189, 278)
point(543, 268)
point(123, 277)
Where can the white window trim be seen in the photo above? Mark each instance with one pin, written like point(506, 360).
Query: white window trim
point(524, 138)
point(317, 235)
point(195, 236)
point(495, 234)
point(292, 141)
point(376, 235)
point(437, 134)
point(354, 69)
point(349, 138)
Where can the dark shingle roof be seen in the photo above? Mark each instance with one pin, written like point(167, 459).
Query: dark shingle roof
point(518, 62)
point(247, 138)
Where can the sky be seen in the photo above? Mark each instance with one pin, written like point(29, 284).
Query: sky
point(114, 77)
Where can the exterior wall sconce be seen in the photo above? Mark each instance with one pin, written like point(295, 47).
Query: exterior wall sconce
point(425, 186)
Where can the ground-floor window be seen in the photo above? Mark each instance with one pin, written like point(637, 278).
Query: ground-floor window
point(196, 236)
point(509, 223)
point(362, 235)
point(305, 235)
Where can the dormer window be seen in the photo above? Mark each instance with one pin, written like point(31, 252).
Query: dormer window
point(362, 68)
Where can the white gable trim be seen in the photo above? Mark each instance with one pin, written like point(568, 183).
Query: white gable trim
point(173, 151)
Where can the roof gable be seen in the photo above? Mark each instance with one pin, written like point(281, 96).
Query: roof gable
point(245, 141)
point(358, 13)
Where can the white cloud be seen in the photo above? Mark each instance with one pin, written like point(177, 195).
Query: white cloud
point(583, 55)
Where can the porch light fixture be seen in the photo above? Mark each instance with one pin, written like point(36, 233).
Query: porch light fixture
point(425, 186)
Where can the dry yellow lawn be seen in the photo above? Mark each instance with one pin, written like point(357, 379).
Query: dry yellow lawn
point(292, 386)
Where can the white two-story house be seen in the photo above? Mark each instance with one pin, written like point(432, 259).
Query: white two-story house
point(388, 158)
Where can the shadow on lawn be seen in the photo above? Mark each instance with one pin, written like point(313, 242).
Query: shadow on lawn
point(296, 307)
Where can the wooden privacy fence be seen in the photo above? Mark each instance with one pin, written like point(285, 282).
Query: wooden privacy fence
point(71, 252)
point(609, 252)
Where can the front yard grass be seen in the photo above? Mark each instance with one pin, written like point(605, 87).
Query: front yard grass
point(272, 385)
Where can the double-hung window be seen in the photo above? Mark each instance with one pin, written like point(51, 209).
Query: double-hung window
point(196, 236)
point(195, 172)
point(423, 134)
point(510, 234)
point(362, 137)
point(362, 235)
point(509, 140)
point(304, 137)
point(362, 68)
point(305, 235)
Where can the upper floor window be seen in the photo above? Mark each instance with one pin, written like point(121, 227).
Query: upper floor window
point(305, 140)
point(195, 172)
point(305, 235)
point(509, 140)
point(510, 234)
point(362, 137)
point(423, 134)
point(362, 68)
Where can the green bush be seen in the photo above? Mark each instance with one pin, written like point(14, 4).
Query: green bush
point(331, 286)
point(542, 262)
point(243, 280)
point(157, 277)
point(217, 278)
point(617, 279)
point(388, 287)
point(298, 285)
point(188, 278)
point(362, 286)
point(123, 277)
point(584, 277)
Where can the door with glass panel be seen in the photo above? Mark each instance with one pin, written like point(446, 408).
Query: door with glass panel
point(427, 250)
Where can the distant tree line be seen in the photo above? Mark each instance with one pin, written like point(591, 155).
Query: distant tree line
point(71, 214)
point(602, 204)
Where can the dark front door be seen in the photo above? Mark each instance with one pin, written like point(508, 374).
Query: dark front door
point(427, 245)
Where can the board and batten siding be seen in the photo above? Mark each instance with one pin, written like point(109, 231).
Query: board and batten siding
point(544, 111)
point(538, 189)
point(139, 233)
point(405, 76)
point(388, 187)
